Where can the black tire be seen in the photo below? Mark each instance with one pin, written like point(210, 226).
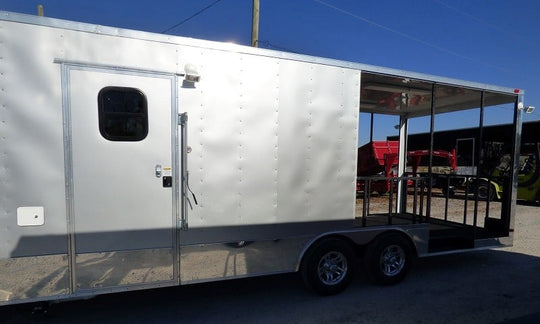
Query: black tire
point(388, 259)
point(486, 191)
point(327, 267)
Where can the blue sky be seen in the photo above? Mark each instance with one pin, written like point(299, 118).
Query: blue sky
point(489, 41)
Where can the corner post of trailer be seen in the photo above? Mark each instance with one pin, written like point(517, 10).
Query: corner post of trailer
point(509, 211)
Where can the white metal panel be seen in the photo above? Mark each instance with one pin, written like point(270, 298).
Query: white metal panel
point(31, 140)
point(212, 126)
point(257, 140)
point(119, 51)
point(317, 134)
point(233, 136)
point(273, 140)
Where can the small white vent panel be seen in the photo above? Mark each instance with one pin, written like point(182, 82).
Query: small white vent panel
point(30, 216)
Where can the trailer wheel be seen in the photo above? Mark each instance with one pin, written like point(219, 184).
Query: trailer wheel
point(327, 267)
point(388, 259)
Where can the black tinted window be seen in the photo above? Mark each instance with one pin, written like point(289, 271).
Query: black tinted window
point(123, 114)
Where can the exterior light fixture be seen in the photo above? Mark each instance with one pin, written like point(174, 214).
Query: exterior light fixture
point(527, 109)
point(191, 74)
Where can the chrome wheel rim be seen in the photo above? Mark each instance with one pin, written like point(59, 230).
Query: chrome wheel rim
point(332, 268)
point(392, 260)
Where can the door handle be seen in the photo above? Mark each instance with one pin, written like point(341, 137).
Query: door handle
point(159, 170)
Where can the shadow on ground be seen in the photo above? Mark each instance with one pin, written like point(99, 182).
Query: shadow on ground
point(476, 287)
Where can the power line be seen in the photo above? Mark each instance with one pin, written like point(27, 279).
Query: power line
point(192, 16)
point(418, 40)
point(371, 22)
point(483, 22)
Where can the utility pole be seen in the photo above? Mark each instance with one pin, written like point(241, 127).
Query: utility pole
point(40, 10)
point(255, 25)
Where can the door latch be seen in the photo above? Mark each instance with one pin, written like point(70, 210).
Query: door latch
point(159, 170)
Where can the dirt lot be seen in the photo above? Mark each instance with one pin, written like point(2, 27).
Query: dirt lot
point(490, 286)
point(527, 232)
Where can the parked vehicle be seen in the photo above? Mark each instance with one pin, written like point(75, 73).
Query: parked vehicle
point(131, 160)
point(379, 158)
point(528, 177)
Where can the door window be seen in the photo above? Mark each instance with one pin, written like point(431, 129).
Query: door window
point(123, 114)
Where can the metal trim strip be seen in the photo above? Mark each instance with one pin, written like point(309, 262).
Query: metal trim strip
point(84, 66)
point(177, 211)
point(68, 173)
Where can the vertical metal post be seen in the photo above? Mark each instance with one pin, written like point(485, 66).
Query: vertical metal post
point(182, 120)
point(477, 157)
point(371, 129)
point(255, 25)
point(68, 174)
point(489, 195)
point(365, 202)
point(509, 200)
point(401, 203)
point(422, 192)
point(446, 197)
point(177, 174)
point(431, 139)
point(415, 200)
point(465, 202)
point(390, 201)
point(368, 195)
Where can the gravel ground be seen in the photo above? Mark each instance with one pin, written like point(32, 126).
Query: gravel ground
point(527, 231)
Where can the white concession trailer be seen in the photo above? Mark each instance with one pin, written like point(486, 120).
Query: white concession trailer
point(131, 160)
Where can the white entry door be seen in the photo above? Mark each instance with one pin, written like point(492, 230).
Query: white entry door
point(122, 178)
